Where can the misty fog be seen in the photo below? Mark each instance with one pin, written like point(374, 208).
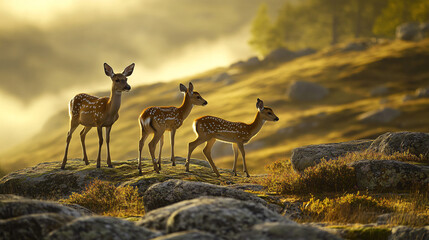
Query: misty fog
point(52, 51)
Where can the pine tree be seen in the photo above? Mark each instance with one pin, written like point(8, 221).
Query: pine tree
point(261, 30)
point(398, 12)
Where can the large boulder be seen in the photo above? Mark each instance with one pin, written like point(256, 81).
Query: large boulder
point(21, 207)
point(32, 226)
point(22, 218)
point(408, 31)
point(252, 62)
point(305, 52)
point(224, 217)
point(286, 231)
point(280, 55)
point(385, 175)
point(384, 115)
point(308, 156)
point(173, 191)
point(189, 235)
point(416, 143)
point(406, 233)
point(306, 91)
point(88, 228)
point(48, 181)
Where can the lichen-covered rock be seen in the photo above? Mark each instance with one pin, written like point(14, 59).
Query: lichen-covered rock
point(189, 235)
point(48, 181)
point(20, 207)
point(384, 175)
point(285, 231)
point(384, 115)
point(311, 155)
point(33, 226)
point(157, 219)
point(220, 216)
point(172, 191)
point(416, 143)
point(303, 91)
point(87, 228)
point(406, 233)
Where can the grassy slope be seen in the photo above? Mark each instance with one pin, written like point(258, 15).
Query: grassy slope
point(401, 66)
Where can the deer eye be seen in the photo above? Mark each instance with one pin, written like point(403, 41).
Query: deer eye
point(269, 113)
point(198, 97)
point(117, 80)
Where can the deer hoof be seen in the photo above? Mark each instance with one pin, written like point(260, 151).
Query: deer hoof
point(110, 166)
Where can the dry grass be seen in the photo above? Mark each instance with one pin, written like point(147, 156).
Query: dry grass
point(349, 208)
point(106, 199)
point(406, 209)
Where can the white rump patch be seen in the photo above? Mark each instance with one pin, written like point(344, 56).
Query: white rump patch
point(146, 122)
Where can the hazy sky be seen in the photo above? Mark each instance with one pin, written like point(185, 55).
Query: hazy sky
point(52, 50)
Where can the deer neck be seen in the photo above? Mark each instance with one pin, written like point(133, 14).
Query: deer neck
point(186, 107)
point(114, 102)
point(257, 124)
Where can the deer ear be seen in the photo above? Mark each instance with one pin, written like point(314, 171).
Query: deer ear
point(260, 105)
point(128, 70)
point(183, 88)
point(191, 88)
point(108, 70)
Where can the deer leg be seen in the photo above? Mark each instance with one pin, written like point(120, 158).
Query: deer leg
point(191, 148)
point(241, 147)
point(83, 133)
point(109, 161)
point(173, 159)
point(207, 152)
point(73, 126)
point(141, 144)
point(100, 143)
point(152, 146)
point(234, 166)
point(161, 144)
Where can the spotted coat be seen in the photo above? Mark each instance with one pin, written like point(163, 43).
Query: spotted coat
point(91, 111)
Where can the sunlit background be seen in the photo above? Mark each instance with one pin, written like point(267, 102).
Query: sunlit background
point(51, 50)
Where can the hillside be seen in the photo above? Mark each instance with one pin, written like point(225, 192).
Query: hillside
point(350, 76)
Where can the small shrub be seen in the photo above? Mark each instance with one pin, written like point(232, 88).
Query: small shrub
point(328, 176)
point(348, 208)
point(104, 198)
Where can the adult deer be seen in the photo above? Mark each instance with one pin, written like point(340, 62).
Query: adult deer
point(157, 120)
point(91, 111)
point(209, 128)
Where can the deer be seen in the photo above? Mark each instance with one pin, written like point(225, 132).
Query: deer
point(91, 111)
point(157, 120)
point(209, 129)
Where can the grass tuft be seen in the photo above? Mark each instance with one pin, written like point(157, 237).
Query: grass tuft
point(106, 199)
point(351, 208)
point(328, 176)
